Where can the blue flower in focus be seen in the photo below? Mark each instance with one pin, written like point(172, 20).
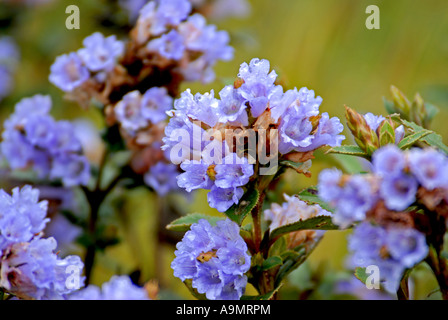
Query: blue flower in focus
point(215, 259)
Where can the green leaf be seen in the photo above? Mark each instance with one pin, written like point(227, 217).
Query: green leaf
point(239, 211)
point(310, 196)
point(411, 139)
point(433, 139)
point(390, 106)
point(271, 262)
point(361, 275)
point(315, 223)
point(351, 150)
point(184, 223)
point(386, 133)
point(267, 296)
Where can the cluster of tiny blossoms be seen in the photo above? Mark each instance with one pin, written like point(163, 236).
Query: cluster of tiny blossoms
point(29, 266)
point(9, 56)
point(117, 288)
point(293, 210)
point(380, 200)
point(214, 258)
point(33, 139)
point(264, 120)
point(215, 9)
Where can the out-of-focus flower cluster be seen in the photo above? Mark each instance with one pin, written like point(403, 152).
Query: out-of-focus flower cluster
point(214, 258)
point(32, 138)
point(383, 200)
point(9, 59)
point(213, 9)
point(117, 288)
point(266, 123)
point(135, 80)
point(398, 179)
point(29, 266)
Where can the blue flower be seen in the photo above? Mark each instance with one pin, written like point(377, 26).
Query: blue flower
point(388, 160)
point(162, 177)
point(429, 167)
point(195, 176)
point(258, 84)
point(352, 197)
point(68, 72)
point(170, 45)
point(398, 191)
point(392, 250)
point(234, 172)
point(215, 259)
point(117, 288)
point(155, 103)
point(232, 107)
point(223, 198)
point(100, 53)
point(201, 107)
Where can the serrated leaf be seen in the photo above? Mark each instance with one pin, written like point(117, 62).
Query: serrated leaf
point(315, 223)
point(184, 223)
point(351, 150)
point(433, 139)
point(239, 211)
point(413, 138)
point(271, 262)
point(310, 196)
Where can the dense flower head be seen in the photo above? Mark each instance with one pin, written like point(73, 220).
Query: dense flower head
point(29, 266)
point(136, 112)
point(294, 210)
point(33, 139)
point(395, 179)
point(216, 9)
point(215, 259)
point(197, 135)
point(117, 288)
point(391, 249)
point(169, 29)
point(99, 54)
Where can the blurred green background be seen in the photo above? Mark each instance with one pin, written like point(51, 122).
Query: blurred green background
point(323, 45)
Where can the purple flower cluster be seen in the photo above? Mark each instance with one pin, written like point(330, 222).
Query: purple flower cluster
point(29, 266)
point(137, 112)
point(33, 139)
point(216, 9)
point(9, 57)
point(215, 259)
point(396, 177)
point(392, 250)
point(194, 136)
point(167, 29)
point(98, 56)
point(118, 288)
